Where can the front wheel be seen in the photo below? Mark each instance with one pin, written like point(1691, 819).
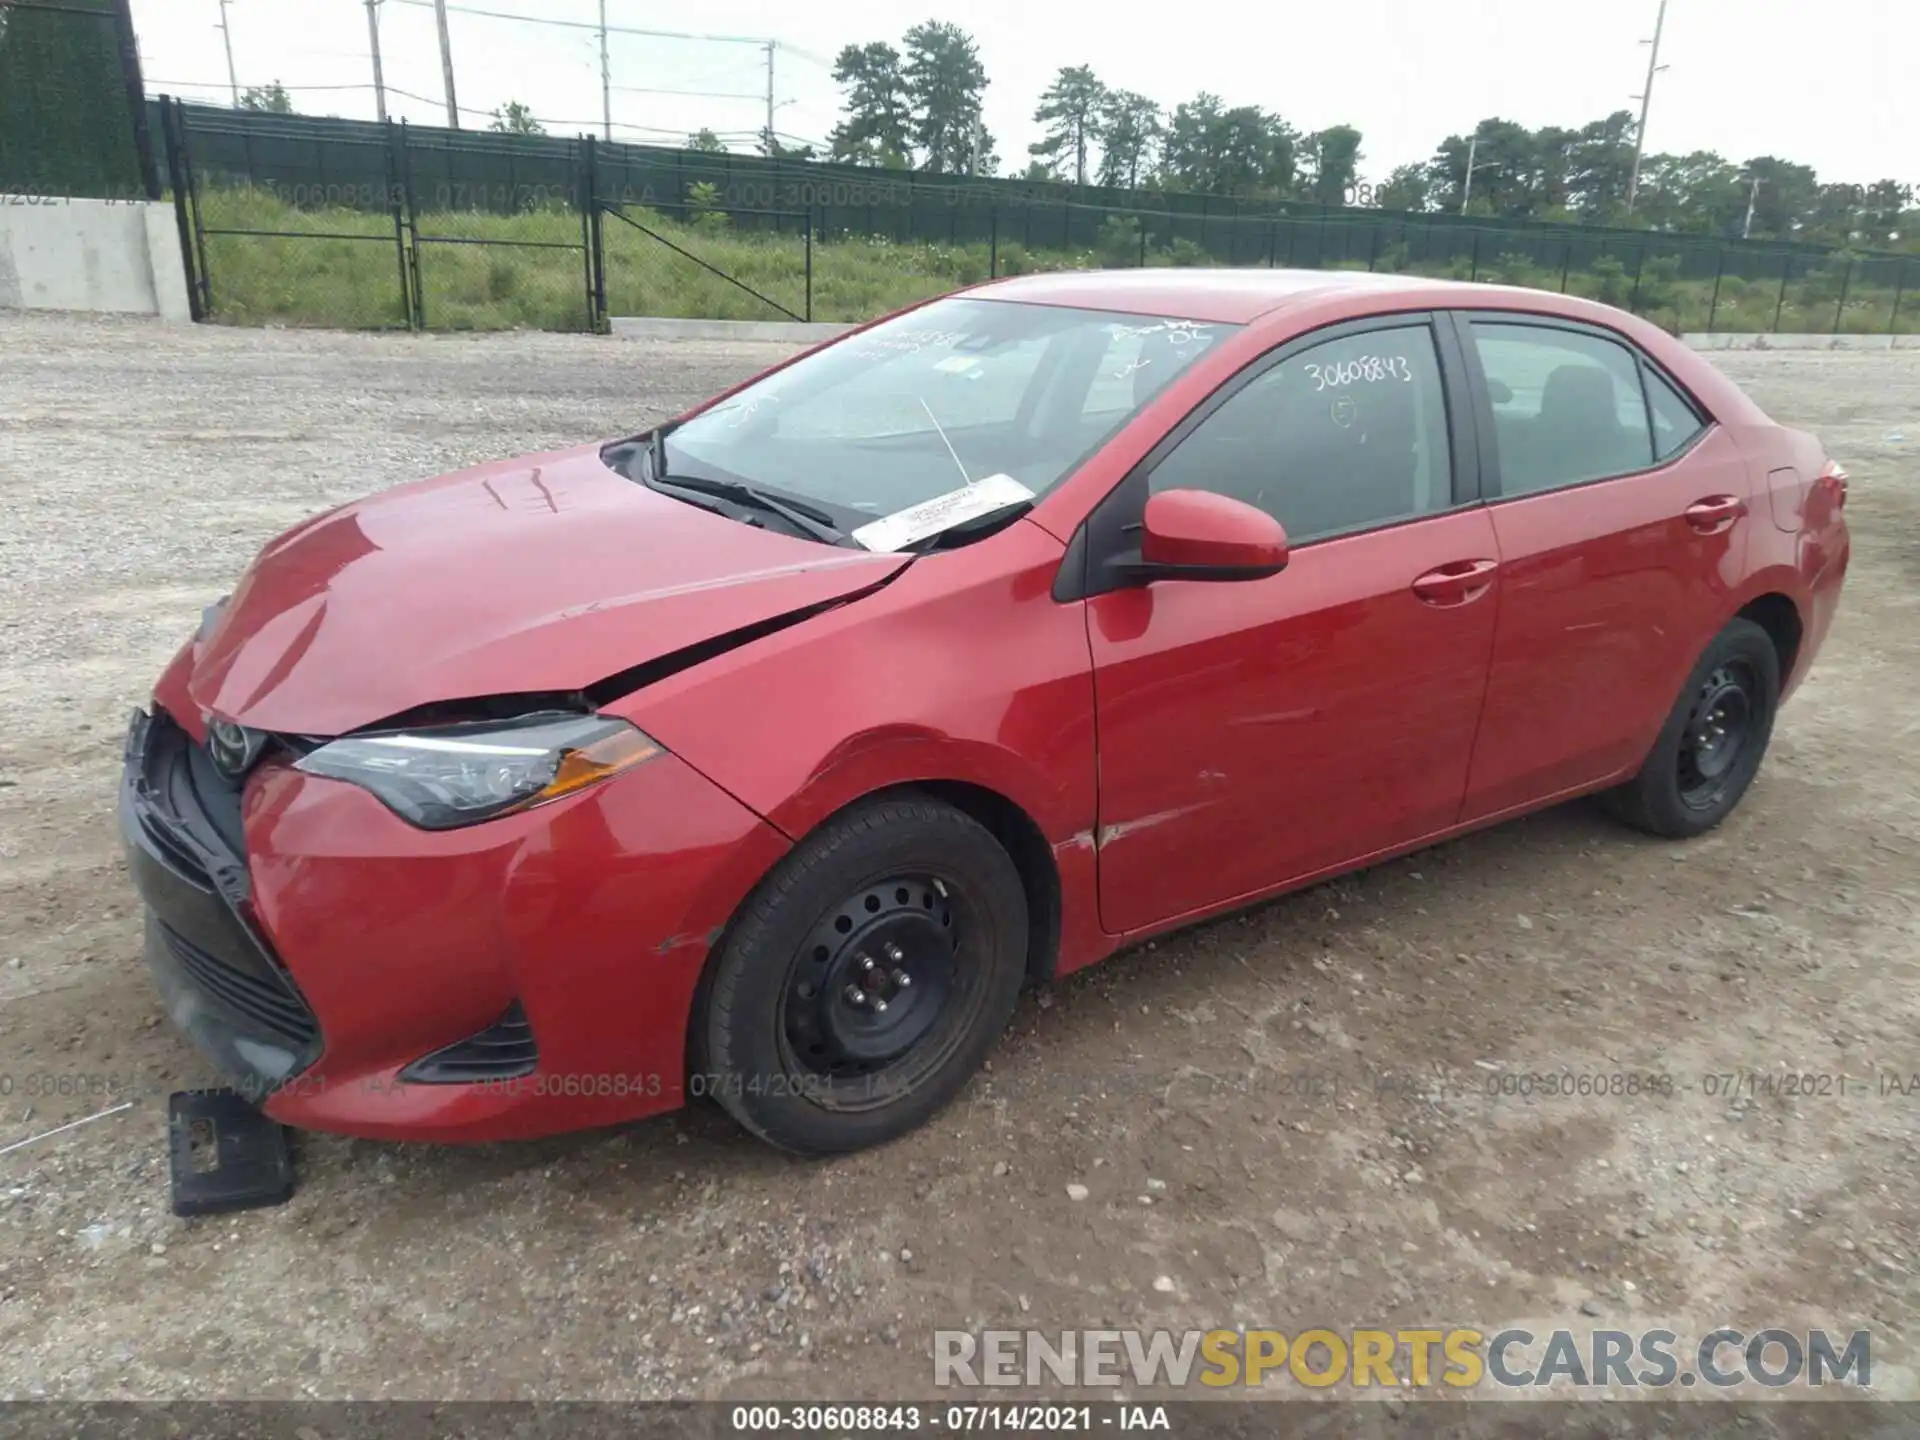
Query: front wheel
point(1712, 744)
point(865, 979)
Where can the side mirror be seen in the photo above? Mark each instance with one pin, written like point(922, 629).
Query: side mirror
point(1197, 535)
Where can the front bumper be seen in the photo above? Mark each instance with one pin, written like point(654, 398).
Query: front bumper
point(588, 921)
point(221, 981)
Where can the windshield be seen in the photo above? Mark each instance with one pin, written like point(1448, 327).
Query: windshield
point(952, 394)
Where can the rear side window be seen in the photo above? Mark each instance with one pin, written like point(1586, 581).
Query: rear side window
point(1567, 406)
point(1675, 421)
point(1343, 436)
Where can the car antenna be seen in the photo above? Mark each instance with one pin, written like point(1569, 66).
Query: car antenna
point(941, 431)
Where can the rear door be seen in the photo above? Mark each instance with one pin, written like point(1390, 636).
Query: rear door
point(1258, 732)
point(1621, 515)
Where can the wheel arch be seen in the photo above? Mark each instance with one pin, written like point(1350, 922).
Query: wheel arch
point(1778, 615)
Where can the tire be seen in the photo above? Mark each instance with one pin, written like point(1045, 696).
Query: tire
point(893, 893)
point(1712, 744)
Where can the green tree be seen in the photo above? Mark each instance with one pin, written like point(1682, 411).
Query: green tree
point(1130, 129)
point(1070, 113)
point(1788, 197)
point(1243, 151)
point(944, 83)
point(271, 98)
point(513, 118)
point(1698, 193)
point(1333, 160)
point(706, 141)
point(1600, 167)
point(878, 126)
point(1405, 188)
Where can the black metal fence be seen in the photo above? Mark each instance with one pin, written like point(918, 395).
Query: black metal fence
point(74, 119)
point(378, 242)
point(296, 220)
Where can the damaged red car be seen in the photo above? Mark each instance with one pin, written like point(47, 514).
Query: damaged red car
point(766, 755)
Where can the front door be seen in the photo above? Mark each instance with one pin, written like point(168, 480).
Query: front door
point(1257, 733)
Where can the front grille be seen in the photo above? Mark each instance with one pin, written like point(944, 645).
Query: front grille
point(272, 1006)
point(503, 1051)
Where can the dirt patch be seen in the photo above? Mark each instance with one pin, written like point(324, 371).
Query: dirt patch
point(1294, 1115)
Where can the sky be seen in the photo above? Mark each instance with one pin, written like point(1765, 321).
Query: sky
point(1834, 85)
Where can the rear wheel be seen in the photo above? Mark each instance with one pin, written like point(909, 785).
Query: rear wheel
point(1711, 746)
point(866, 979)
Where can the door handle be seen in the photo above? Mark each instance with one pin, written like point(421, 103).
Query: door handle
point(1715, 513)
point(1456, 583)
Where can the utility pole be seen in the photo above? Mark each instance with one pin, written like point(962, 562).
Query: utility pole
point(1466, 190)
point(373, 43)
point(1753, 199)
point(772, 145)
point(606, 79)
point(226, 34)
point(446, 63)
point(1645, 97)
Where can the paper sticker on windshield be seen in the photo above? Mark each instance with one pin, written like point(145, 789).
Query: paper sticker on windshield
point(943, 512)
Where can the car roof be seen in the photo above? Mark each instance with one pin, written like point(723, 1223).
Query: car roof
point(1237, 296)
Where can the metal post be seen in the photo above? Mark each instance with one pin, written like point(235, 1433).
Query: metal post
point(606, 79)
point(413, 228)
point(1899, 291)
point(226, 36)
point(587, 187)
point(1373, 248)
point(373, 47)
point(1786, 273)
point(809, 305)
point(1476, 257)
point(1646, 103)
point(182, 201)
point(395, 196)
point(199, 220)
point(1141, 222)
point(446, 63)
point(1719, 272)
point(993, 243)
point(1639, 266)
point(1846, 283)
point(1273, 240)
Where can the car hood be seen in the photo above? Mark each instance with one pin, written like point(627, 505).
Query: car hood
point(539, 575)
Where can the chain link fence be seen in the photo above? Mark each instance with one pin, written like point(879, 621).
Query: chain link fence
point(495, 231)
point(74, 119)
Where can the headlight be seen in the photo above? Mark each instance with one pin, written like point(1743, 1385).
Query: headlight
point(446, 776)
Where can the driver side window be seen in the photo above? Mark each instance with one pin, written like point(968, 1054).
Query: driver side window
point(1346, 435)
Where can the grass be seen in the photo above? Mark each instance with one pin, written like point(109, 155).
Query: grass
point(344, 270)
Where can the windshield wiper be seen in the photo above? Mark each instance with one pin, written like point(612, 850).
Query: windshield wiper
point(802, 517)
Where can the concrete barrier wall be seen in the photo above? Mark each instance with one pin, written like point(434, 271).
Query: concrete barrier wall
point(116, 257)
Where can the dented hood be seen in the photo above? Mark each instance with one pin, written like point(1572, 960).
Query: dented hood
point(535, 575)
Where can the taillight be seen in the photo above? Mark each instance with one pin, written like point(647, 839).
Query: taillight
point(1833, 478)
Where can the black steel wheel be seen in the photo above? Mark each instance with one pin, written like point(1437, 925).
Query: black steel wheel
point(1713, 741)
point(865, 979)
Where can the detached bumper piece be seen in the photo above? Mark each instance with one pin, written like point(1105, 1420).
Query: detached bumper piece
point(224, 1154)
point(503, 1051)
point(221, 981)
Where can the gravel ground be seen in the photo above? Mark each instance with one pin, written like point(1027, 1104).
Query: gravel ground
point(1215, 1098)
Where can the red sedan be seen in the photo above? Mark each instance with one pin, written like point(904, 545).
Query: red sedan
point(766, 755)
